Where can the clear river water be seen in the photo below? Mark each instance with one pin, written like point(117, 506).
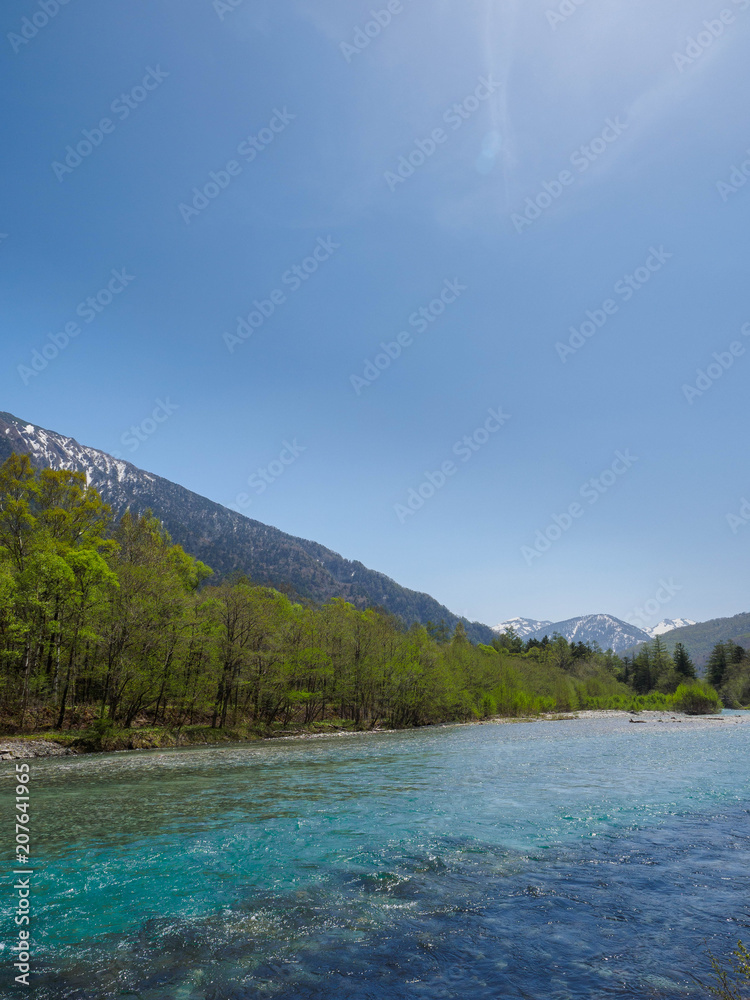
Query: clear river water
point(591, 858)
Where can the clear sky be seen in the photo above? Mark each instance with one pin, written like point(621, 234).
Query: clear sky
point(516, 170)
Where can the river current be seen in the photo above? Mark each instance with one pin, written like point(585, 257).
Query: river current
point(590, 858)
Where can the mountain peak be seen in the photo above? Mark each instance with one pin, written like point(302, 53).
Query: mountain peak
point(521, 626)
point(604, 630)
point(668, 625)
point(607, 631)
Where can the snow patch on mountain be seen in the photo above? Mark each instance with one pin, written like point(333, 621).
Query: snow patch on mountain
point(521, 626)
point(668, 625)
point(56, 451)
point(224, 539)
point(605, 631)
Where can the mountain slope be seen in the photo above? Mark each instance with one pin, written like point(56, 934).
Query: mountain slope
point(700, 639)
point(606, 630)
point(227, 541)
point(521, 626)
point(669, 625)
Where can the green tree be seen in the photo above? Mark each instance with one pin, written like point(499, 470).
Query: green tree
point(560, 653)
point(717, 665)
point(509, 640)
point(18, 492)
point(440, 632)
point(732, 980)
point(682, 662)
point(642, 673)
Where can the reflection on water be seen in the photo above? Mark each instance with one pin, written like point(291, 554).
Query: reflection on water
point(579, 859)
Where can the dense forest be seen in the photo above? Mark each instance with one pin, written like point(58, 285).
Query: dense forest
point(106, 623)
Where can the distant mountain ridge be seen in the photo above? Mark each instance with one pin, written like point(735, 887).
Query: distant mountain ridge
point(700, 639)
point(521, 626)
point(604, 630)
point(668, 625)
point(228, 541)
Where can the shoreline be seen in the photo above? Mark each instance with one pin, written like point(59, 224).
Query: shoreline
point(35, 746)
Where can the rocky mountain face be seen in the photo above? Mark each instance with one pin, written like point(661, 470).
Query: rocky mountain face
point(605, 630)
point(609, 632)
point(523, 627)
point(225, 540)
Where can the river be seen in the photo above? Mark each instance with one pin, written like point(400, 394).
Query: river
point(574, 859)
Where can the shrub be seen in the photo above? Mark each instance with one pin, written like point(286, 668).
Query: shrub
point(738, 970)
point(696, 699)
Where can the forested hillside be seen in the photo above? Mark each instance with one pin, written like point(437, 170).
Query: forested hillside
point(228, 541)
point(106, 619)
point(703, 637)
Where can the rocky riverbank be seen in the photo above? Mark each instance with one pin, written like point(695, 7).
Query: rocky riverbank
point(85, 742)
point(20, 749)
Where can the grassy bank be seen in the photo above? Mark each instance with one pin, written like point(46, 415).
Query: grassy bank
point(106, 739)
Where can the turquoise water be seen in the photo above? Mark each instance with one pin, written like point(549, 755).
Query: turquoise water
point(588, 858)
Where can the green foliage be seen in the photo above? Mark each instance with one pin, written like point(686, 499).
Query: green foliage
point(108, 627)
point(509, 641)
point(696, 699)
point(729, 671)
point(718, 662)
point(683, 664)
point(702, 638)
point(104, 628)
point(730, 981)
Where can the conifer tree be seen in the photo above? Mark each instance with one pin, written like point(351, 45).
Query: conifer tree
point(717, 665)
point(682, 662)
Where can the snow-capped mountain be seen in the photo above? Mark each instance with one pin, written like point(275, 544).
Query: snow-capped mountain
point(111, 476)
point(225, 540)
point(668, 625)
point(606, 630)
point(521, 626)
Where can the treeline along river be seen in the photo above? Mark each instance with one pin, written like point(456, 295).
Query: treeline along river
point(587, 858)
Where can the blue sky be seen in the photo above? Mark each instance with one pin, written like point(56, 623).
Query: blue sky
point(513, 169)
